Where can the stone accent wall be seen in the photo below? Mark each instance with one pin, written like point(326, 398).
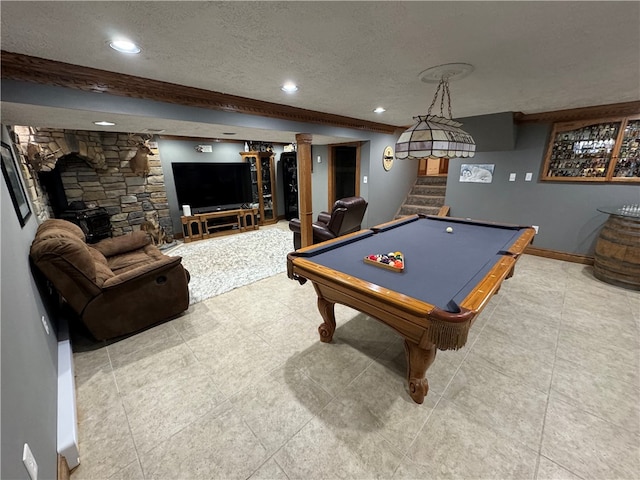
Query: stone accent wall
point(95, 169)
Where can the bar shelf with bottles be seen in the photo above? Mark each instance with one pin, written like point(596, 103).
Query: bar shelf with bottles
point(603, 150)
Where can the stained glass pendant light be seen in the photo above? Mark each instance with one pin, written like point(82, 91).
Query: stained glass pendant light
point(437, 136)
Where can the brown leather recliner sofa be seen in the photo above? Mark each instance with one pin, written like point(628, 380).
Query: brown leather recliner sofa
point(117, 286)
point(345, 217)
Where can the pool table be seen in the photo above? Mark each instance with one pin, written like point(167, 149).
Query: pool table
point(448, 278)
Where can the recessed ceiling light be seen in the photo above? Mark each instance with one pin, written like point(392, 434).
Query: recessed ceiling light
point(124, 46)
point(380, 110)
point(289, 87)
point(104, 123)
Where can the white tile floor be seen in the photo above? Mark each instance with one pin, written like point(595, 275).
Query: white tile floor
point(547, 387)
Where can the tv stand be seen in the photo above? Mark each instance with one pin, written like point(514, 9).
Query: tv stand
point(216, 209)
point(213, 224)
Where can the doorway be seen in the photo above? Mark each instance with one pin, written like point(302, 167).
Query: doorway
point(433, 166)
point(344, 171)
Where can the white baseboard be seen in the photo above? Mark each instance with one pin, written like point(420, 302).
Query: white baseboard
point(67, 416)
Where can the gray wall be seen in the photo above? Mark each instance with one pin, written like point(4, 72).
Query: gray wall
point(393, 185)
point(565, 212)
point(492, 133)
point(385, 191)
point(389, 188)
point(182, 151)
point(29, 355)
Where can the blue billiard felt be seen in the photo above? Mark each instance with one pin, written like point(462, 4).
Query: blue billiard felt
point(440, 268)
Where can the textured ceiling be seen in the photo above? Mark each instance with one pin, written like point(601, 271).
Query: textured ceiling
point(347, 57)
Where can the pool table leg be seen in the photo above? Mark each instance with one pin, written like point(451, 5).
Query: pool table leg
point(418, 361)
point(329, 326)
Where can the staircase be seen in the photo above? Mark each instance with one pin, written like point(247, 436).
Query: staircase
point(426, 196)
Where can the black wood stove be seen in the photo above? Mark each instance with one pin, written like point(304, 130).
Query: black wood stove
point(94, 222)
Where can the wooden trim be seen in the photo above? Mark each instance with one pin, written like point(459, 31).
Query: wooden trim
point(49, 72)
point(207, 230)
point(26, 68)
point(444, 211)
point(259, 156)
point(212, 140)
point(345, 144)
point(331, 183)
point(357, 190)
point(201, 139)
point(63, 469)
point(576, 114)
point(305, 210)
point(612, 160)
point(560, 127)
point(557, 255)
point(422, 167)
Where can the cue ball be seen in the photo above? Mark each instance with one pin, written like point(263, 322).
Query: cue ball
point(449, 230)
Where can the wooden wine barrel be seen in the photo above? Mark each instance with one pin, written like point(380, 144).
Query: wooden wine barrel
point(617, 255)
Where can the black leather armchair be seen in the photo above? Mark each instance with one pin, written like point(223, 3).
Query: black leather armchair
point(345, 217)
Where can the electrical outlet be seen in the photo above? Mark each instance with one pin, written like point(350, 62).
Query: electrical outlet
point(535, 227)
point(30, 462)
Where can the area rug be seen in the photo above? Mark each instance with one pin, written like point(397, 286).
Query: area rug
point(221, 264)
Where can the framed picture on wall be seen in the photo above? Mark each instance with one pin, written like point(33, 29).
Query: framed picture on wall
point(476, 173)
point(12, 178)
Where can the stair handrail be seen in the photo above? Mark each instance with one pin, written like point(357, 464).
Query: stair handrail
point(444, 211)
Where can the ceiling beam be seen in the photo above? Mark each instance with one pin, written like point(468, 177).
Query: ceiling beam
point(26, 68)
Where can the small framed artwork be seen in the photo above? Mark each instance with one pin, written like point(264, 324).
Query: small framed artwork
point(476, 173)
point(11, 176)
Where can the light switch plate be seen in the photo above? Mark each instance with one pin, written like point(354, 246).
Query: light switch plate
point(512, 177)
point(528, 176)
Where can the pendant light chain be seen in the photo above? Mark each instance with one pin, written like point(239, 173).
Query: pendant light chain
point(444, 86)
point(435, 97)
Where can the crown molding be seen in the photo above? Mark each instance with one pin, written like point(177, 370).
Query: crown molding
point(26, 68)
point(586, 113)
point(203, 139)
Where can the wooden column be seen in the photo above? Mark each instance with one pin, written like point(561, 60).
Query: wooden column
point(303, 140)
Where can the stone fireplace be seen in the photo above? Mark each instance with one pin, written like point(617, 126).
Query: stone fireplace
point(95, 171)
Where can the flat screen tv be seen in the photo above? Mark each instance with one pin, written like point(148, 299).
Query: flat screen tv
point(207, 187)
